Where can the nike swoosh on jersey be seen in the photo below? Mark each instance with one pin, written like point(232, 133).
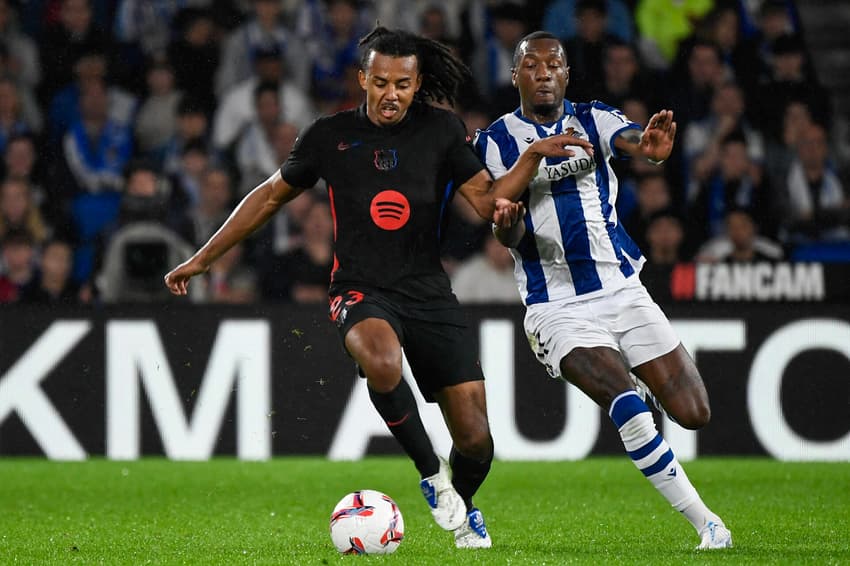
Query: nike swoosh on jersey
point(342, 146)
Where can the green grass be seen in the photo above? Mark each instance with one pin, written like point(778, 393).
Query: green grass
point(596, 511)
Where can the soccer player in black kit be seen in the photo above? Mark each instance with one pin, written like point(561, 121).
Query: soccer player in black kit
point(391, 167)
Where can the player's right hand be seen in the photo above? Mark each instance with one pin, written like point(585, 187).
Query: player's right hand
point(558, 145)
point(177, 280)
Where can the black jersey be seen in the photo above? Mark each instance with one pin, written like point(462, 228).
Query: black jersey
point(389, 189)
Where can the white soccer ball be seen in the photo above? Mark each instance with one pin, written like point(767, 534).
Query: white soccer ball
point(366, 522)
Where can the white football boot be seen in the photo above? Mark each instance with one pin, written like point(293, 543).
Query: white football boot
point(473, 533)
point(714, 535)
point(447, 507)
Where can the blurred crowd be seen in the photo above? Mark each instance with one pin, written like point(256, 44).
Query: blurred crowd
point(129, 129)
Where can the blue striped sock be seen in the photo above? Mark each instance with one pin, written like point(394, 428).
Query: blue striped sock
point(651, 453)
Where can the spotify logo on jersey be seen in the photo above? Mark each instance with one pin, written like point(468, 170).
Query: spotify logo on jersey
point(390, 210)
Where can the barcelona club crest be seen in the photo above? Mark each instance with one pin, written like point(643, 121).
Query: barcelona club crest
point(385, 159)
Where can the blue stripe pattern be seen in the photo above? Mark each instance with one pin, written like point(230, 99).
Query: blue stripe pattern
point(659, 465)
point(646, 449)
point(448, 193)
point(624, 409)
point(585, 116)
point(535, 279)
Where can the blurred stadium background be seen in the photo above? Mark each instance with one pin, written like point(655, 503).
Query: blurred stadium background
point(130, 128)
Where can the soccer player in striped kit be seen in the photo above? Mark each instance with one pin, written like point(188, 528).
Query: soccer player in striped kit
point(589, 319)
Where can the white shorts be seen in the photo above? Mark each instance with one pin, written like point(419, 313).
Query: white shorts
point(628, 320)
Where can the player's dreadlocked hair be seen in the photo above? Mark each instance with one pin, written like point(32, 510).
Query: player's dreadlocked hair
point(442, 72)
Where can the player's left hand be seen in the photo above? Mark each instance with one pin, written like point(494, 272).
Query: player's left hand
point(656, 142)
point(507, 213)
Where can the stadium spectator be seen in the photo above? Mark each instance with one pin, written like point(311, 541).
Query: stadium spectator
point(818, 201)
point(13, 119)
point(586, 50)
point(691, 93)
point(332, 50)
point(18, 210)
point(721, 26)
point(30, 109)
point(624, 78)
point(559, 18)
point(21, 58)
point(185, 179)
point(302, 275)
point(264, 30)
point(387, 259)
point(156, 121)
point(73, 35)
point(740, 242)
point(653, 195)
point(52, 283)
point(90, 71)
point(486, 276)
point(790, 80)
point(194, 55)
point(440, 21)
point(736, 182)
point(215, 200)
point(589, 319)
point(704, 138)
point(665, 238)
point(780, 152)
point(237, 109)
point(17, 253)
point(255, 154)
point(491, 60)
point(138, 248)
point(192, 126)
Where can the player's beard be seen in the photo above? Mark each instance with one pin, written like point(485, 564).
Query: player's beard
point(550, 109)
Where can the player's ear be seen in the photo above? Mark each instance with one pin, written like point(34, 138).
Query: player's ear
point(418, 82)
point(513, 76)
point(361, 78)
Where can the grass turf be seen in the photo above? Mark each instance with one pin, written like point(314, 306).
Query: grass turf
point(595, 511)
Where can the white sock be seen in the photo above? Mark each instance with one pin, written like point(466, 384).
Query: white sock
point(655, 459)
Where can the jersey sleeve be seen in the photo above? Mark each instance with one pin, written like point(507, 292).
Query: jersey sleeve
point(462, 157)
point(301, 168)
point(490, 152)
point(610, 122)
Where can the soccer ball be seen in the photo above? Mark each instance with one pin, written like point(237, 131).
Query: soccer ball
point(366, 522)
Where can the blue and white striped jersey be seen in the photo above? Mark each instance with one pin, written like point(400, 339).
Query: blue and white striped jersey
point(574, 247)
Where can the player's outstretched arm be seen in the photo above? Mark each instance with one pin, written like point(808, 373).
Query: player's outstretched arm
point(656, 141)
point(255, 209)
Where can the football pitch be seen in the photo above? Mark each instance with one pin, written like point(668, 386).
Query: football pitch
point(594, 511)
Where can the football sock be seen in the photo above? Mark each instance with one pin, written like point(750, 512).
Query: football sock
point(398, 409)
point(654, 458)
point(468, 473)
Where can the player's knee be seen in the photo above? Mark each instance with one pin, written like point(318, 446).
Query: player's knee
point(696, 416)
point(382, 371)
point(474, 442)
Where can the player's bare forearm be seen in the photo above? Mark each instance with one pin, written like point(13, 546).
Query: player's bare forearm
point(254, 211)
point(655, 143)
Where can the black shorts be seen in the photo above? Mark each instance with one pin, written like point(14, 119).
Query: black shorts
point(437, 341)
